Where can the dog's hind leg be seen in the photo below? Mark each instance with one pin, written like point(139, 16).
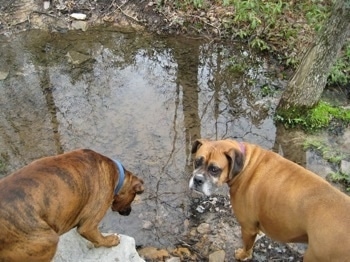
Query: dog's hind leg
point(248, 237)
point(37, 247)
point(310, 256)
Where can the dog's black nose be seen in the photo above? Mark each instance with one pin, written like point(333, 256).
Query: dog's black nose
point(125, 212)
point(198, 180)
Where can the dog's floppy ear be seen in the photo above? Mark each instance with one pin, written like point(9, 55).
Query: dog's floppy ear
point(197, 144)
point(138, 187)
point(236, 160)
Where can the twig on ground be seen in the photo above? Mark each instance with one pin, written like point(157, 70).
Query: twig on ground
point(122, 11)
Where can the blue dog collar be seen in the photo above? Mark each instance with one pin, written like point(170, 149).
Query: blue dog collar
point(121, 176)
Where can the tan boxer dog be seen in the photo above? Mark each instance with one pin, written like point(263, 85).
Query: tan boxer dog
point(52, 195)
point(274, 195)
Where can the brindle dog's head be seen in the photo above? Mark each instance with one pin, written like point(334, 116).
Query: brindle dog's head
point(132, 186)
point(215, 163)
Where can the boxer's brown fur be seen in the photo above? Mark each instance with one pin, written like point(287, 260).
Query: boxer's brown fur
point(52, 195)
point(274, 195)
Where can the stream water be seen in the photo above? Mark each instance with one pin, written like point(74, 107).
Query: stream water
point(141, 99)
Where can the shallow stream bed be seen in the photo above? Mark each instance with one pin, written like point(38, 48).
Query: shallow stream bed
point(143, 100)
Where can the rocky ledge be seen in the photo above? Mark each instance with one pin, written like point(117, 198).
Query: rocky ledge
point(73, 247)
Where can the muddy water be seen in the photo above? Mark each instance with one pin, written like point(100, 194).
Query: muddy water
point(140, 99)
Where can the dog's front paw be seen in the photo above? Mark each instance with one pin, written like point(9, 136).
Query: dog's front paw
point(112, 240)
point(243, 255)
point(109, 241)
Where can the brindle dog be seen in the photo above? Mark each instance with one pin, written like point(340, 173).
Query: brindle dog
point(52, 195)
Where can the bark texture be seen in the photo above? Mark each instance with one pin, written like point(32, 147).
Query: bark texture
point(306, 86)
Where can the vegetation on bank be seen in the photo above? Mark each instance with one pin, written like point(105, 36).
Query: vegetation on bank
point(342, 178)
point(340, 73)
point(330, 154)
point(333, 156)
point(3, 168)
point(314, 119)
point(283, 28)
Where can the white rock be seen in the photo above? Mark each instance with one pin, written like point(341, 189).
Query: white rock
point(3, 75)
point(46, 5)
point(73, 247)
point(78, 16)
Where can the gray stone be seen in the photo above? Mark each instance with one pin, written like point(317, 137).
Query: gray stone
point(147, 225)
point(80, 25)
point(317, 164)
point(217, 256)
point(76, 58)
point(3, 75)
point(73, 247)
point(297, 247)
point(203, 228)
point(345, 167)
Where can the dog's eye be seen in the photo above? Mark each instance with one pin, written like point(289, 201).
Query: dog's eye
point(214, 170)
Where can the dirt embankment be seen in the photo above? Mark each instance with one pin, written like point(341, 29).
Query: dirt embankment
point(57, 15)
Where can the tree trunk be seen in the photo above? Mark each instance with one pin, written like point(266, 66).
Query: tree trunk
point(306, 86)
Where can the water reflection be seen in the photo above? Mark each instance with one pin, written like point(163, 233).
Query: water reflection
point(133, 97)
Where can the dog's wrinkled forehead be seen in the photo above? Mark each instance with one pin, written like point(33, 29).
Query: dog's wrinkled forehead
point(210, 155)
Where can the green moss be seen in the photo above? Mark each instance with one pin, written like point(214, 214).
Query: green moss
point(333, 156)
point(330, 154)
point(313, 119)
point(339, 177)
